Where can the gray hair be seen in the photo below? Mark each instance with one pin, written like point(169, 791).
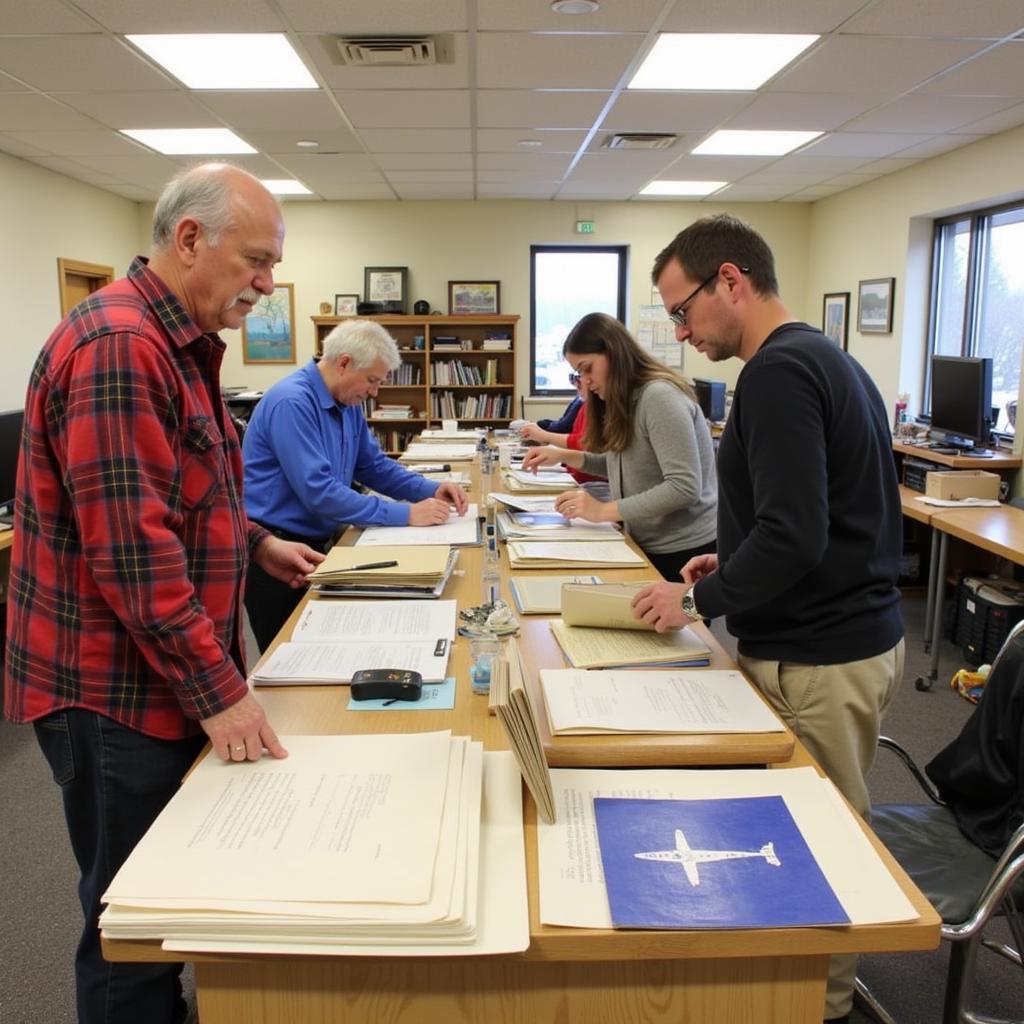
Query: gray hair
point(365, 341)
point(203, 192)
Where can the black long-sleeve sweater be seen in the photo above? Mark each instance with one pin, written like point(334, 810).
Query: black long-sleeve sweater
point(809, 520)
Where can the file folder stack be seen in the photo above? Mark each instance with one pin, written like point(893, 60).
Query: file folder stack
point(415, 572)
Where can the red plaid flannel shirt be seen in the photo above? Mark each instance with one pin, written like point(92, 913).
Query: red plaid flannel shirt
point(130, 536)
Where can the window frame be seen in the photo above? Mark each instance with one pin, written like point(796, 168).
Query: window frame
point(622, 251)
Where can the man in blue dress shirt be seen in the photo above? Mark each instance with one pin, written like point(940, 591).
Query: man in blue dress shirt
point(306, 443)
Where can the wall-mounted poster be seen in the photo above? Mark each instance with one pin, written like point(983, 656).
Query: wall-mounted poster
point(835, 317)
point(874, 305)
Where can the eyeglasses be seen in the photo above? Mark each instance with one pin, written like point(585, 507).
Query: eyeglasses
point(679, 312)
point(575, 378)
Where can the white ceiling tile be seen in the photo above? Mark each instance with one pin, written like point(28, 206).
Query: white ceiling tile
point(516, 190)
point(825, 111)
point(1000, 72)
point(750, 193)
point(624, 165)
point(507, 140)
point(142, 16)
point(173, 108)
point(135, 192)
point(257, 164)
point(437, 190)
point(417, 140)
point(86, 143)
point(509, 61)
point(284, 142)
point(855, 63)
point(620, 16)
point(812, 194)
point(371, 17)
point(18, 17)
point(865, 144)
point(443, 108)
point(757, 16)
point(674, 111)
point(508, 175)
point(15, 147)
point(1011, 117)
point(424, 176)
point(546, 166)
point(296, 110)
point(73, 169)
point(928, 113)
point(146, 169)
point(8, 84)
point(316, 170)
point(425, 161)
point(819, 164)
point(851, 180)
point(78, 63)
point(534, 108)
point(993, 18)
point(584, 190)
point(888, 165)
point(356, 190)
point(940, 144)
point(25, 111)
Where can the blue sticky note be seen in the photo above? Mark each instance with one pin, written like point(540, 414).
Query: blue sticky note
point(433, 697)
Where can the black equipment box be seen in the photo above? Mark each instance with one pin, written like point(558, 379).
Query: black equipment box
point(915, 472)
point(987, 609)
point(710, 398)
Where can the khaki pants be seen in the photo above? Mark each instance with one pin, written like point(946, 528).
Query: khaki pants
point(836, 712)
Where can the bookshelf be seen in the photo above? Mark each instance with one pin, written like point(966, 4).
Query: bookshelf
point(473, 384)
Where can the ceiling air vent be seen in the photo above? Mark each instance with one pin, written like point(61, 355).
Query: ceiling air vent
point(640, 140)
point(388, 51)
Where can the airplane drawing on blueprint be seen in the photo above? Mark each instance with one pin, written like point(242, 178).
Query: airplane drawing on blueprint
point(687, 856)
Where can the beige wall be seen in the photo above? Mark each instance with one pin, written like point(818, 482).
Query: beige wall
point(46, 215)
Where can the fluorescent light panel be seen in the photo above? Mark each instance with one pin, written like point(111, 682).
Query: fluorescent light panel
point(753, 143)
point(285, 187)
point(228, 60)
point(189, 141)
point(709, 61)
point(682, 188)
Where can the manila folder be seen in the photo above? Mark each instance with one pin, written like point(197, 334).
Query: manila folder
point(606, 605)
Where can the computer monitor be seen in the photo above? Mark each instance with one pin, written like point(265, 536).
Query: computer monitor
point(10, 445)
point(962, 400)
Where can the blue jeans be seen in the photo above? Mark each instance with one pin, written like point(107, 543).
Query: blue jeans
point(114, 782)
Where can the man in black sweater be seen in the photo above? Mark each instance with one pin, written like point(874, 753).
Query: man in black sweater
point(809, 521)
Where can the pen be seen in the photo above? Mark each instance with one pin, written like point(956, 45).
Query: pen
point(369, 565)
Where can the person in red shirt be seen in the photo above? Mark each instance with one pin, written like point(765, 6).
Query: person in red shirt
point(124, 643)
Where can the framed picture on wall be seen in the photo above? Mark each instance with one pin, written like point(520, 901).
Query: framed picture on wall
point(388, 285)
point(874, 305)
point(268, 332)
point(346, 305)
point(474, 297)
point(835, 317)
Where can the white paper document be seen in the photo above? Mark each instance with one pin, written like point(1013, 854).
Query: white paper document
point(459, 530)
point(434, 452)
point(311, 664)
point(363, 621)
point(572, 890)
point(579, 701)
point(544, 475)
point(548, 554)
point(524, 502)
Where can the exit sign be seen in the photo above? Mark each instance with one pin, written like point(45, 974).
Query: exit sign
point(585, 227)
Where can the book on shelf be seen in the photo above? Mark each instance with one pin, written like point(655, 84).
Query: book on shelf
point(594, 647)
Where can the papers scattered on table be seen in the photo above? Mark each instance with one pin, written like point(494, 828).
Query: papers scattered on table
point(545, 479)
point(434, 452)
point(420, 572)
point(573, 893)
point(582, 702)
point(959, 503)
point(545, 526)
point(312, 854)
point(459, 530)
point(435, 436)
point(586, 647)
point(571, 554)
point(525, 502)
point(542, 595)
point(511, 703)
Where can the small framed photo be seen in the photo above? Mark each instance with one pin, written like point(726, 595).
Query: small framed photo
point(268, 332)
point(835, 317)
point(388, 285)
point(346, 305)
point(874, 305)
point(474, 297)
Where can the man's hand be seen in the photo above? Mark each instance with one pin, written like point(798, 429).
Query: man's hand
point(452, 493)
point(659, 606)
point(287, 560)
point(242, 732)
point(547, 455)
point(698, 567)
point(429, 512)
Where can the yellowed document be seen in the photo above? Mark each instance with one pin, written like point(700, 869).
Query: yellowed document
point(586, 647)
point(606, 607)
point(571, 554)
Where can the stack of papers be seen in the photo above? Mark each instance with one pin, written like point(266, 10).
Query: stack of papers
point(335, 639)
point(609, 606)
point(459, 530)
point(586, 647)
point(539, 526)
point(312, 854)
point(418, 572)
point(571, 554)
point(542, 595)
point(544, 480)
point(708, 849)
point(441, 436)
point(583, 703)
point(510, 701)
point(432, 452)
point(524, 502)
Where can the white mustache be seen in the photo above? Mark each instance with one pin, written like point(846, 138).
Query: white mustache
point(250, 295)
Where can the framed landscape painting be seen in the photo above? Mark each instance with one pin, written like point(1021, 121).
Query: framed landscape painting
point(874, 305)
point(835, 317)
point(473, 297)
point(268, 332)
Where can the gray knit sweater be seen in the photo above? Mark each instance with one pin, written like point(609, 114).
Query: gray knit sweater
point(665, 480)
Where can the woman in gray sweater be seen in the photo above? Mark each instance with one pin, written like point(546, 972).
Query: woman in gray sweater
point(646, 433)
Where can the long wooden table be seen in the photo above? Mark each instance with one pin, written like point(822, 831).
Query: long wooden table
point(573, 976)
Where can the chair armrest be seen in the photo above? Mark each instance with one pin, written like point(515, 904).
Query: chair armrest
point(923, 781)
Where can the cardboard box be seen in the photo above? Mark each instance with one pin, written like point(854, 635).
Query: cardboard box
point(956, 484)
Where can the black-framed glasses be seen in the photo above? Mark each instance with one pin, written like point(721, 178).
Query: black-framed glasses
point(575, 378)
point(679, 311)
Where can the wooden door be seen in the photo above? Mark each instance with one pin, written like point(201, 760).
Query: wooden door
point(79, 280)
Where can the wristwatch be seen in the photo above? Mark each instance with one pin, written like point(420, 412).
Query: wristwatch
point(689, 606)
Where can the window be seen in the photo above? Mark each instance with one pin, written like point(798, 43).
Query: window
point(978, 298)
point(566, 283)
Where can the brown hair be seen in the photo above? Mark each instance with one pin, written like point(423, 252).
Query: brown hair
point(610, 419)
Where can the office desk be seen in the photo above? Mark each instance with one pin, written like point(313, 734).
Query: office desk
point(995, 463)
point(573, 976)
point(999, 530)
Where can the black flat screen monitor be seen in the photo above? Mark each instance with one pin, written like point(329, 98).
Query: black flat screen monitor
point(962, 400)
point(10, 444)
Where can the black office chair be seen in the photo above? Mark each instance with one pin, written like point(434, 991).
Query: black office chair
point(965, 849)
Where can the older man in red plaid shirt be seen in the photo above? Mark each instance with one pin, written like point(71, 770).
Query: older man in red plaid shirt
point(131, 544)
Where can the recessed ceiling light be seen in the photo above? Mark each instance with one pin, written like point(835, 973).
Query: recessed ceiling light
point(707, 61)
point(195, 141)
point(753, 143)
point(260, 60)
point(529, 142)
point(307, 144)
point(682, 188)
point(285, 187)
point(575, 6)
